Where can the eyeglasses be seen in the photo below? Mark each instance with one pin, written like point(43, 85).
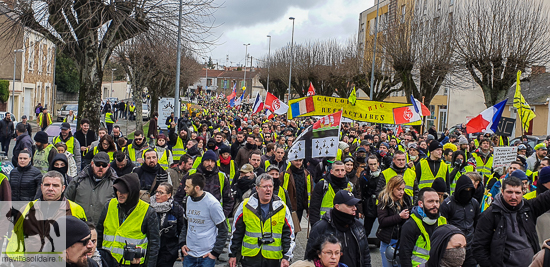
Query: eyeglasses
point(86, 241)
point(101, 164)
point(332, 253)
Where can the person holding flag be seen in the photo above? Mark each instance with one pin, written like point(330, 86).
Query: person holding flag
point(524, 110)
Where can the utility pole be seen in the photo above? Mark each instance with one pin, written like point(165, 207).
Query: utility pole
point(374, 52)
point(291, 58)
point(268, 61)
point(177, 107)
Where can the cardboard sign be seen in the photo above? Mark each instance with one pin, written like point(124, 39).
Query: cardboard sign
point(503, 156)
point(165, 107)
point(505, 126)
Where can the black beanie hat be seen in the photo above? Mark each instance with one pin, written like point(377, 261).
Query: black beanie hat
point(434, 145)
point(41, 137)
point(75, 229)
point(439, 185)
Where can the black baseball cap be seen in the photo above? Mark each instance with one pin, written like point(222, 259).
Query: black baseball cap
point(345, 197)
point(65, 126)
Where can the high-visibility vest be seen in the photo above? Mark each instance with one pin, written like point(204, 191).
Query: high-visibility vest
point(108, 118)
point(2, 177)
point(502, 142)
point(409, 176)
point(267, 163)
point(69, 143)
point(281, 194)
point(163, 160)
point(110, 153)
point(221, 178)
point(483, 168)
point(427, 178)
point(170, 120)
point(178, 150)
point(40, 159)
point(132, 153)
point(468, 168)
point(13, 249)
point(421, 251)
point(531, 195)
point(197, 162)
point(308, 184)
point(116, 235)
point(476, 142)
point(41, 117)
point(132, 108)
point(255, 228)
point(231, 170)
point(328, 199)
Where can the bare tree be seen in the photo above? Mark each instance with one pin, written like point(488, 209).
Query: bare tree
point(89, 31)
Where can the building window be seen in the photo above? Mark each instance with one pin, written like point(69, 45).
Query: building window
point(403, 12)
point(209, 82)
point(371, 23)
point(49, 61)
point(31, 55)
point(40, 56)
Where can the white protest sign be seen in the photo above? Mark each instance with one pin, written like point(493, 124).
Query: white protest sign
point(503, 156)
point(166, 106)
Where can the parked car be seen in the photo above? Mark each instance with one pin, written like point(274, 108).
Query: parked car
point(64, 111)
point(54, 129)
point(3, 115)
point(145, 111)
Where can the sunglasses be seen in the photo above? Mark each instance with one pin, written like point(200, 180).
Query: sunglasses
point(138, 139)
point(85, 241)
point(101, 164)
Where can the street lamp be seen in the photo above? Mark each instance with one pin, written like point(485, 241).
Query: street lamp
point(14, 64)
point(291, 58)
point(206, 80)
point(268, 61)
point(245, 59)
point(111, 90)
point(177, 106)
point(374, 51)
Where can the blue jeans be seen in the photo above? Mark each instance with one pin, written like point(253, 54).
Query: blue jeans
point(383, 247)
point(189, 261)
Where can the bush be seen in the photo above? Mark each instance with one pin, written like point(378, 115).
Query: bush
point(4, 91)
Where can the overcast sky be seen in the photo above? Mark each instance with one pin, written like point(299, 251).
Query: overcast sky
point(250, 21)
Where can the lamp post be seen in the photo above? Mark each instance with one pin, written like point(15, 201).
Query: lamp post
point(177, 107)
point(268, 61)
point(245, 59)
point(291, 58)
point(206, 80)
point(14, 66)
point(111, 90)
point(374, 51)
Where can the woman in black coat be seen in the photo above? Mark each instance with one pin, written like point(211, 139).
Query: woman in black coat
point(170, 216)
point(25, 179)
point(393, 211)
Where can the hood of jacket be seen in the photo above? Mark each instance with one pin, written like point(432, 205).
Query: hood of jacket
point(21, 136)
point(131, 181)
point(499, 202)
point(462, 195)
point(63, 158)
point(439, 239)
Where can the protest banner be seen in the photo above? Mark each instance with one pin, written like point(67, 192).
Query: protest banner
point(363, 110)
point(165, 107)
point(503, 156)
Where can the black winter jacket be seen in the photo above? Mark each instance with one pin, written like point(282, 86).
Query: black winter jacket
point(491, 235)
point(326, 227)
point(6, 129)
point(171, 229)
point(25, 183)
point(318, 193)
point(367, 186)
point(389, 221)
point(22, 142)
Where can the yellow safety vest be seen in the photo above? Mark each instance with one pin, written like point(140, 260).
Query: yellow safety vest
point(328, 199)
point(476, 142)
point(483, 168)
point(197, 162)
point(231, 170)
point(132, 108)
point(111, 153)
point(468, 168)
point(409, 176)
point(41, 116)
point(421, 251)
point(132, 153)
point(108, 118)
point(163, 160)
point(255, 228)
point(281, 194)
point(40, 159)
point(178, 150)
point(267, 164)
point(13, 250)
point(427, 178)
point(69, 143)
point(116, 235)
point(530, 195)
point(308, 184)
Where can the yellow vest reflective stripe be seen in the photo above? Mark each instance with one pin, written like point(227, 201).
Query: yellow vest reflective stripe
point(69, 143)
point(110, 153)
point(421, 250)
point(231, 170)
point(221, 178)
point(328, 198)
point(108, 117)
point(41, 117)
point(116, 235)
point(531, 195)
point(409, 176)
point(178, 150)
point(427, 178)
point(40, 159)
point(483, 168)
point(163, 160)
point(254, 230)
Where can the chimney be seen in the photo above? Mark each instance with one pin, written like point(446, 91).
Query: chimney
point(536, 70)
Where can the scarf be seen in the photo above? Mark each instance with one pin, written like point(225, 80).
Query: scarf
point(342, 220)
point(148, 169)
point(162, 207)
point(317, 263)
point(339, 182)
point(225, 161)
point(97, 258)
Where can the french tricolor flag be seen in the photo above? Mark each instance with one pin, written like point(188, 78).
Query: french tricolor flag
point(258, 104)
point(487, 121)
point(302, 107)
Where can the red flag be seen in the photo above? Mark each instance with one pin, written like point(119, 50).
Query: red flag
point(311, 90)
point(399, 130)
point(275, 105)
point(328, 121)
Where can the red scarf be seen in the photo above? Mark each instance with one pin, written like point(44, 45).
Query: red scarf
point(225, 161)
